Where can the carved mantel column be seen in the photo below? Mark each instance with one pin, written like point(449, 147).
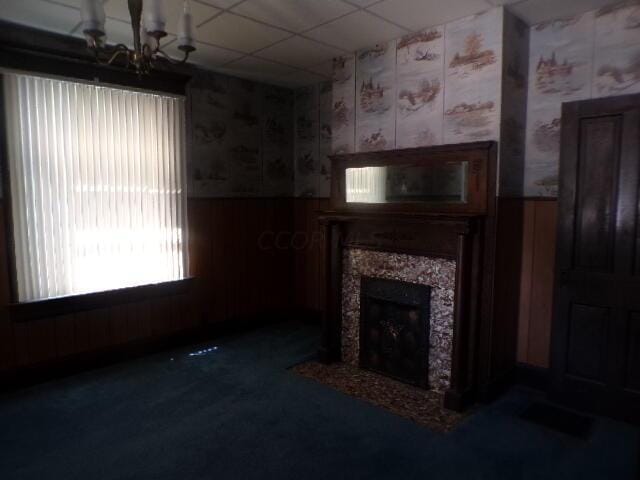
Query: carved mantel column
point(330, 345)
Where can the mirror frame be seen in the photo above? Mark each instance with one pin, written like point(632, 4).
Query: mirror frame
point(481, 157)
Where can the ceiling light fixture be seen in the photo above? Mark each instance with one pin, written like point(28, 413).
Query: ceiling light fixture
point(146, 35)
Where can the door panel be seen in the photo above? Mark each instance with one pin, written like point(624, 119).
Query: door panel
point(587, 342)
point(595, 359)
point(598, 174)
point(636, 241)
point(632, 378)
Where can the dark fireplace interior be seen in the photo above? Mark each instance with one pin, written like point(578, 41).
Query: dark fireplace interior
point(394, 329)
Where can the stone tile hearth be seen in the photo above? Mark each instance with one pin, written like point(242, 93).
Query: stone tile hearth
point(421, 406)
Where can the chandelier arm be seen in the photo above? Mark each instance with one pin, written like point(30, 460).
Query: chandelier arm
point(115, 56)
point(111, 53)
point(120, 49)
point(167, 58)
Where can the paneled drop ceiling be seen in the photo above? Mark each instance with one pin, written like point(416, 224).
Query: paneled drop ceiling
point(286, 42)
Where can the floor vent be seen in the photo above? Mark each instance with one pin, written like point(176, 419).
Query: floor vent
point(558, 419)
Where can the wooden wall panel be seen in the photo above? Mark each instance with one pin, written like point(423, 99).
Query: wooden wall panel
point(308, 247)
point(65, 340)
point(542, 283)
point(201, 243)
point(507, 283)
point(236, 276)
point(526, 269)
point(217, 262)
point(524, 284)
point(264, 255)
point(536, 284)
point(7, 334)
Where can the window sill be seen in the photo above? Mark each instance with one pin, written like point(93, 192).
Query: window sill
point(52, 307)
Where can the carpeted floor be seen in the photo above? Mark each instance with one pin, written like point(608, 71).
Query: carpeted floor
point(232, 409)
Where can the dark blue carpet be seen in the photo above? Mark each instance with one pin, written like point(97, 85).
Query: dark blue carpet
point(231, 409)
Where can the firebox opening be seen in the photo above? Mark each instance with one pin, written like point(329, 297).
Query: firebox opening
point(394, 329)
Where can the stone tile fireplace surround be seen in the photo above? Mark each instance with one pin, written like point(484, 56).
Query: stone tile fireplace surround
point(435, 251)
point(437, 273)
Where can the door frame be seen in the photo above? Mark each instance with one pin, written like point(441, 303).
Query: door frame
point(572, 113)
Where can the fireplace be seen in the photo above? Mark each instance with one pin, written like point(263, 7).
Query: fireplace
point(394, 329)
point(444, 245)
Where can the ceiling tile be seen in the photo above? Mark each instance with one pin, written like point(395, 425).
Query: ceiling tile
point(238, 33)
point(294, 15)
point(40, 14)
point(325, 69)
point(118, 31)
point(418, 14)
point(356, 30)
point(362, 3)
point(536, 11)
point(205, 55)
point(258, 65)
point(268, 72)
point(498, 3)
point(302, 78)
point(219, 3)
point(199, 12)
point(72, 3)
point(299, 52)
point(253, 76)
point(299, 78)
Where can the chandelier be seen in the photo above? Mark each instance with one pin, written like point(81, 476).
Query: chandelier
point(146, 50)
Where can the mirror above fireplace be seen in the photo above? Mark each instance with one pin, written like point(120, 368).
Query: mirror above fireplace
point(446, 183)
point(444, 179)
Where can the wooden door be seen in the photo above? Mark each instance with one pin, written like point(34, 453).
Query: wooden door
point(596, 330)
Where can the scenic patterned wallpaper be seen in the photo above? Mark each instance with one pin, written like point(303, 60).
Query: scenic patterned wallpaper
point(241, 137)
point(312, 140)
point(439, 85)
point(595, 54)
point(515, 65)
point(488, 76)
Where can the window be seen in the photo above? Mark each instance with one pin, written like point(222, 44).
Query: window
point(97, 186)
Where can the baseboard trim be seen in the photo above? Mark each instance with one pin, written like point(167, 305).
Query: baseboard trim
point(533, 376)
point(494, 388)
point(308, 315)
point(23, 377)
point(458, 401)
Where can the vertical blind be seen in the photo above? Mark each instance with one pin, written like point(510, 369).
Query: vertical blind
point(97, 186)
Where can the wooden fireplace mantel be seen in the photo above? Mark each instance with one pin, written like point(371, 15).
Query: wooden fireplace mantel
point(467, 237)
point(423, 235)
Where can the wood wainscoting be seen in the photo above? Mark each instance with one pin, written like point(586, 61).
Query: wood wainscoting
point(308, 251)
point(536, 280)
point(237, 275)
point(525, 251)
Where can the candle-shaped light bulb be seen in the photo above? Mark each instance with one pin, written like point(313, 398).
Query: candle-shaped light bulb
point(93, 17)
point(185, 29)
point(155, 18)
